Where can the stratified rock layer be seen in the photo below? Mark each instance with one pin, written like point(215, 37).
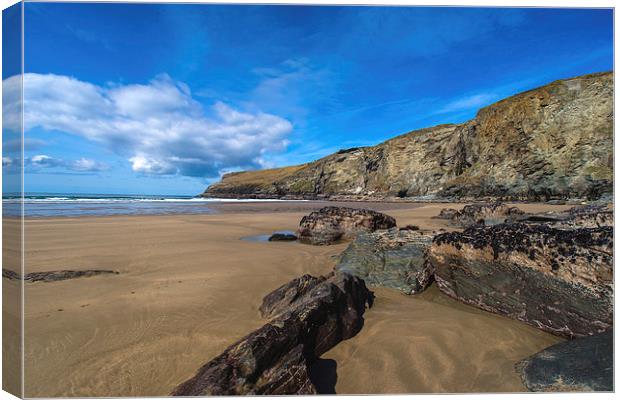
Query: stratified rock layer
point(555, 141)
point(288, 296)
point(331, 224)
point(278, 358)
point(481, 214)
point(557, 280)
point(580, 365)
point(392, 258)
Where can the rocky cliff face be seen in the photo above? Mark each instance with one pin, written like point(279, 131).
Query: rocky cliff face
point(552, 142)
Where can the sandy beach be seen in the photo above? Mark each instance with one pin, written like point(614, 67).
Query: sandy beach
point(188, 287)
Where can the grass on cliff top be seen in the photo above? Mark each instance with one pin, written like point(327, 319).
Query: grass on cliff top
point(261, 176)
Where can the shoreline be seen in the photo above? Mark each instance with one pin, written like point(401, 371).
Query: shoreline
point(292, 206)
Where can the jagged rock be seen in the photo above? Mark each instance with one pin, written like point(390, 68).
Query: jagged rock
point(288, 295)
point(447, 213)
point(394, 259)
point(282, 237)
point(553, 142)
point(557, 280)
point(481, 214)
point(589, 217)
point(278, 358)
point(576, 217)
point(580, 365)
point(331, 224)
point(52, 276)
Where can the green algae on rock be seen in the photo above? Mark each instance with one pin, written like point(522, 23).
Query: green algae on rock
point(392, 258)
point(558, 280)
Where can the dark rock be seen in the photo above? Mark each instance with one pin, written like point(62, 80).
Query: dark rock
point(580, 365)
point(409, 228)
point(550, 218)
point(394, 259)
point(481, 214)
point(279, 358)
point(447, 213)
point(331, 224)
point(282, 237)
point(557, 280)
point(11, 275)
point(52, 276)
point(288, 295)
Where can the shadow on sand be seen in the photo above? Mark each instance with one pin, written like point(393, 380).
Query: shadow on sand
point(323, 375)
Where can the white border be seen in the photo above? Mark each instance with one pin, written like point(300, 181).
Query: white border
point(472, 3)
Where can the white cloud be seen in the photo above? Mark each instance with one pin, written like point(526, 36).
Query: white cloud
point(87, 165)
point(41, 161)
point(158, 127)
point(469, 102)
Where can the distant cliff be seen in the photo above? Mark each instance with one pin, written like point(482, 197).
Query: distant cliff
point(555, 141)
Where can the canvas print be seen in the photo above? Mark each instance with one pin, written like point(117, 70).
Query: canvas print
point(234, 199)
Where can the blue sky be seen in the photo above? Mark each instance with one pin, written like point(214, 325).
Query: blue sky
point(161, 99)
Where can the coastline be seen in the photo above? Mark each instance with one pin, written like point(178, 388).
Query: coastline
point(188, 287)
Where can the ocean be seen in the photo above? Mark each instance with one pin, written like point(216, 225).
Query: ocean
point(76, 205)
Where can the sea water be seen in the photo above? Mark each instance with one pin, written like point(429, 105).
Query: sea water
point(75, 205)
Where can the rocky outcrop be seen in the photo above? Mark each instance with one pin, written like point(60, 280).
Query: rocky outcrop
point(590, 216)
point(392, 258)
point(331, 224)
point(555, 279)
point(310, 316)
point(553, 142)
point(481, 214)
point(52, 276)
point(580, 365)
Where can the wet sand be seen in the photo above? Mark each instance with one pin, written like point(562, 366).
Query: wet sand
point(188, 287)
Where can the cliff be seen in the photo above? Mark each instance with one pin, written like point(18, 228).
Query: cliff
point(555, 141)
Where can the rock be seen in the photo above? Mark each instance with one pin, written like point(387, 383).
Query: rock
point(395, 259)
point(551, 143)
point(10, 274)
point(580, 365)
point(588, 217)
point(288, 295)
point(279, 358)
point(52, 276)
point(576, 217)
point(331, 224)
point(557, 280)
point(447, 213)
point(409, 228)
point(481, 214)
point(282, 237)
